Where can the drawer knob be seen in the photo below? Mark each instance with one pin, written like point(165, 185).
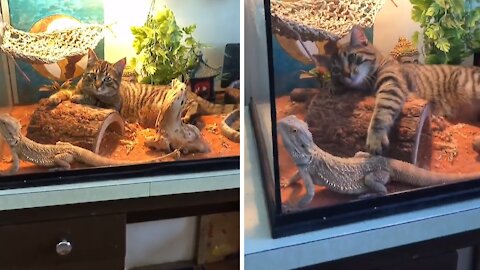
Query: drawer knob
point(63, 248)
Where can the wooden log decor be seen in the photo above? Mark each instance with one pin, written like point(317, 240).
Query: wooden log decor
point(77, 124)
point(339, 125)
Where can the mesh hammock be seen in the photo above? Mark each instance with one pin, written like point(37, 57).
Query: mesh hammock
point(50, 47)
point(317, 20)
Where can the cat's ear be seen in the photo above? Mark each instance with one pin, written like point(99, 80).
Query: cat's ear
point(92, 58)
point(358, 36)
point(120, 65)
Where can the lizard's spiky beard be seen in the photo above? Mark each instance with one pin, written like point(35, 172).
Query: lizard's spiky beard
point(297, 140)
point(9, 129)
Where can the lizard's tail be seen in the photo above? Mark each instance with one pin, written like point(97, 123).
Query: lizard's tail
point(206, 107)
point(89, 158)
point(407, 173)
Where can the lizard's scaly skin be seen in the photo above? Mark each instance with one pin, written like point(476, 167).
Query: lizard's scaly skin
point(359, 175)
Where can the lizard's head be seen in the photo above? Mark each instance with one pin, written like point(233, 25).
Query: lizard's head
point(10, 129)
point(296, 138)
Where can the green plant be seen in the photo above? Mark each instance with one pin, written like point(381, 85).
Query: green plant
point(451, 29)
point(165, 51)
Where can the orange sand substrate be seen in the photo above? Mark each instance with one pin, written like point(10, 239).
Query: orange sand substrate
point(131, 147)
point(452, 153)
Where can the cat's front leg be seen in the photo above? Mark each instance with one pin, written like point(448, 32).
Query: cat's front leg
point(83, 99)
point(388, 104)
point(59, 97)
point(377, 141)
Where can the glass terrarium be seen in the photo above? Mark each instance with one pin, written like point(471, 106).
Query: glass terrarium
point(337, 141)
point(91, 90)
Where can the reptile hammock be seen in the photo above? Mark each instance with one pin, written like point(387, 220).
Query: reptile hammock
point(317, 20)
point(50, 47)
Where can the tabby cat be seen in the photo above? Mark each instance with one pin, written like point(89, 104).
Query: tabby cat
point(101, 85)
point(452, 90)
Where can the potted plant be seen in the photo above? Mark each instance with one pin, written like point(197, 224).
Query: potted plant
point(165, 50)
point(451, 29)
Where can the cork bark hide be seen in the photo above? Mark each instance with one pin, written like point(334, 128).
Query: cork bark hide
point(77, 124)
point(339, 125)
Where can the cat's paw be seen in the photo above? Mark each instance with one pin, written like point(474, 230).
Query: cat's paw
point(77, 99)
point(377, 142)
point(54, 101)
point(284, 183)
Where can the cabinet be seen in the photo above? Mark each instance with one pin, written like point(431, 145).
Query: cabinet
point(80, 243)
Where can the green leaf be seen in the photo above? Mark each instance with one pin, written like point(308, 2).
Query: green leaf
point(433, 10)
point(190, 29)
point(433, 32)
point(458, 7)
point(422, 4)
point(432, 59)
point(150, 70)
point(442, 44)
point(417, 14)
point(473, 18)
point(442, 3)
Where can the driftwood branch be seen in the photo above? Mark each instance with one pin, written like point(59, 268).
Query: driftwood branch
point(77, 124)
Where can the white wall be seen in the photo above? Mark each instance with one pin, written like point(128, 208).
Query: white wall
point(393, 22)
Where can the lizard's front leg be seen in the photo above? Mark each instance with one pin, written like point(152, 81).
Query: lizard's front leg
point(15, 163)
point(307, 198)
point(63, 161)
point(293, 179)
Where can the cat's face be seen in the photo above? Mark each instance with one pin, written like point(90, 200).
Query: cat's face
point(354, 64)
point(102, 78)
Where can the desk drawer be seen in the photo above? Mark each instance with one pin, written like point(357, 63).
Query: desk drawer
point(87, 243)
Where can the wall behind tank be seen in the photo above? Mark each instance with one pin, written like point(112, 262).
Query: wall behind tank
point(393, 22)
point(218, 23)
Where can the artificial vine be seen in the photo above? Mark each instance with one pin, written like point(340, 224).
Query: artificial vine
point(451, 29)
point(165, 51)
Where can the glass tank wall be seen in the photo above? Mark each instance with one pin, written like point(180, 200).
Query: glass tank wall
point(87, 84)
point(364, 107)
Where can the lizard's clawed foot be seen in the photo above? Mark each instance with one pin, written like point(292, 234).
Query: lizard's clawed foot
point(284, 182)
point(377, 141)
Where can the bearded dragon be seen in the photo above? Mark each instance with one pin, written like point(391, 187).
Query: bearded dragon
point(59, 155)
point(362, 175)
